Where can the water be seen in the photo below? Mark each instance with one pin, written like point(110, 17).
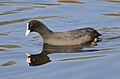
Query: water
point(26, 58)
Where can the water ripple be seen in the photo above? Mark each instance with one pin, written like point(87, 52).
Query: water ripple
point(112, 14)
point(9, 63)
point(87, 57)
point(26, 19)
point(10, 46)
point(116, 1)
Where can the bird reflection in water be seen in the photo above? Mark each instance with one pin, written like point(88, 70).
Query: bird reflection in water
point(43, 58)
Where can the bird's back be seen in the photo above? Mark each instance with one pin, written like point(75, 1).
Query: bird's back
point(73, 37)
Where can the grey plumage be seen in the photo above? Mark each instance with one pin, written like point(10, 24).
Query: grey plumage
point(71, 37)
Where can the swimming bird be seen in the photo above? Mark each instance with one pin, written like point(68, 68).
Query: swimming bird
point(71, 37)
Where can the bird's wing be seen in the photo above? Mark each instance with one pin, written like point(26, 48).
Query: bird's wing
point(75, 34)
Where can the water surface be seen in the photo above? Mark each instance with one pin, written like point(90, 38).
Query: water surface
point(26, 58)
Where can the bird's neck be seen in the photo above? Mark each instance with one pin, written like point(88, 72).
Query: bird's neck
point(44, 31)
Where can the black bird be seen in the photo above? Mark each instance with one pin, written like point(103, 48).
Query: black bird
point(71, 37)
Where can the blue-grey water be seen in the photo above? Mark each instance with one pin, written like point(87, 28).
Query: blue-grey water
point(25, 57)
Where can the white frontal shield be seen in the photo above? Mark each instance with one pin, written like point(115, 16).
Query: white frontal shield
point(27, 31)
